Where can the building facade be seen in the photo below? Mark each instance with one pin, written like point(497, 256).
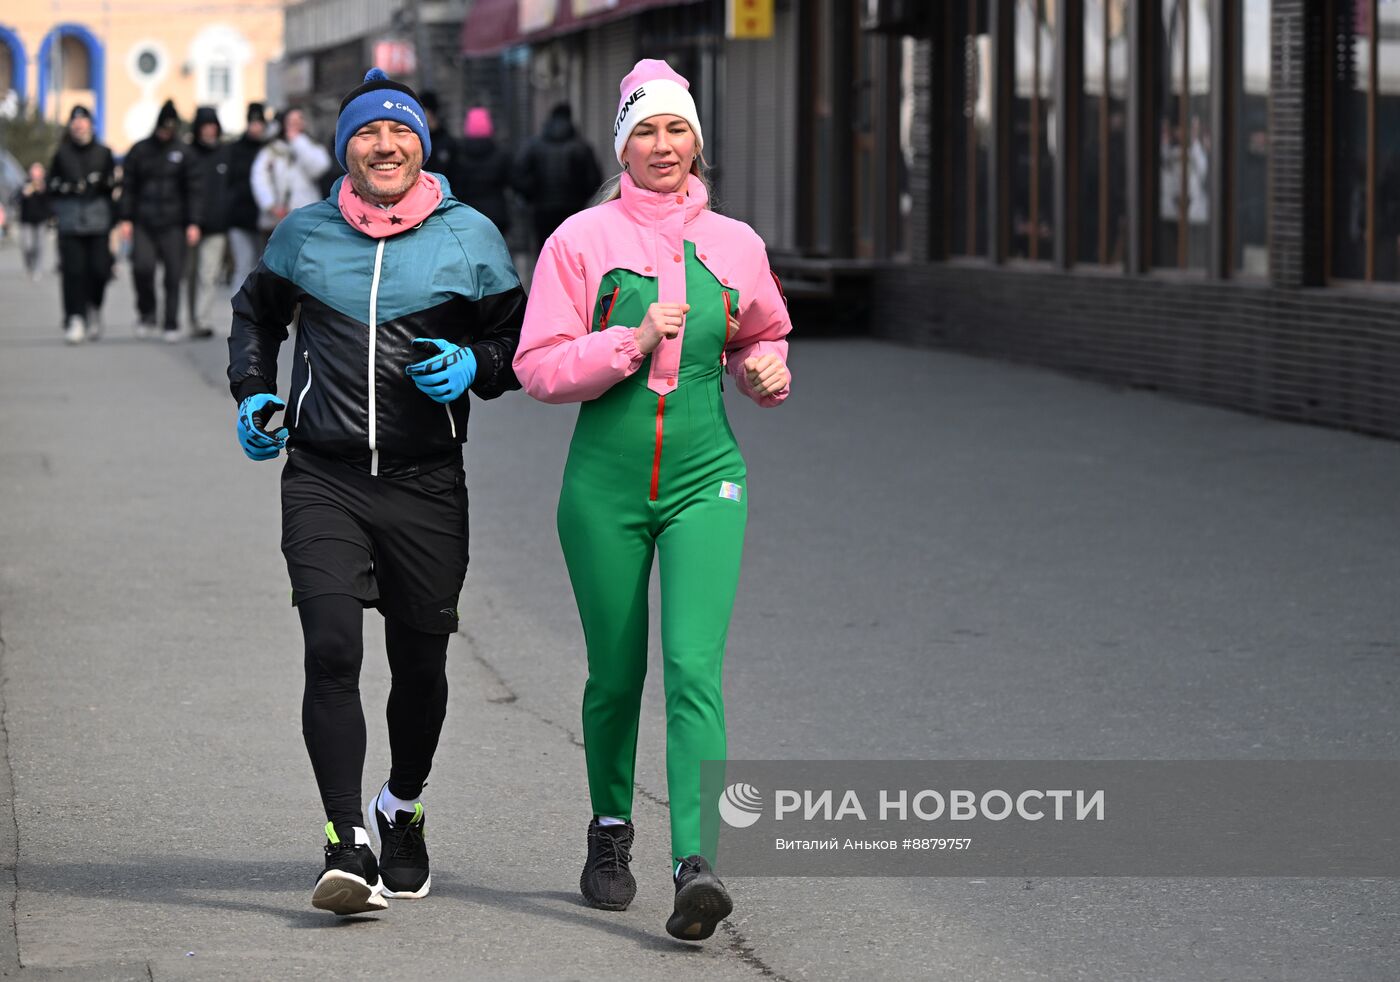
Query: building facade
point(1200, 197)
point(130, 57)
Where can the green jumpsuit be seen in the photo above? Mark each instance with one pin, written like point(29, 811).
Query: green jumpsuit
point(649, 473)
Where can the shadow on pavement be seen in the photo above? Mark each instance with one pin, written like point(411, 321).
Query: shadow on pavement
point(190, 882)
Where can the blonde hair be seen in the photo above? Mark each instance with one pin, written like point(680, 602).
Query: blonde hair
point(611, 189)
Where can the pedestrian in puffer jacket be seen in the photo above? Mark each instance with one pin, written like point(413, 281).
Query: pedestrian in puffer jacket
point(557, 173)
point(82, 179)
point(162, 206)
point(481, 170)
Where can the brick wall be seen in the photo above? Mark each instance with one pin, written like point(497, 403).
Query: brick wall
point(1330, 357)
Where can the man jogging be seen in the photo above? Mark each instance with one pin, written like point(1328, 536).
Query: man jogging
point(404, 299)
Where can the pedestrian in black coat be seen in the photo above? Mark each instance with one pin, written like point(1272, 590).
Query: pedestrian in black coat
point(245, 239)
point(82, 179)
point(208, 295)
point(557, 173)
point(481, 171)
point(35, 213)
point(162, 206)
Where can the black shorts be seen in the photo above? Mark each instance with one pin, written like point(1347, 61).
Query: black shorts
point(399, 544)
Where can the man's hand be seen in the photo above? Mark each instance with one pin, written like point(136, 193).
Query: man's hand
point(192, 235)
point(124, 228)
point(254, 413)
point(662, 320)
point(447, 374)
point(767, 375)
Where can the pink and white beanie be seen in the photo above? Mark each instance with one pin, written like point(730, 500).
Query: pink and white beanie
point(653, 88)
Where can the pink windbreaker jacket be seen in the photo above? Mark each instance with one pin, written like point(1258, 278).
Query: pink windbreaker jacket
point(560, 359)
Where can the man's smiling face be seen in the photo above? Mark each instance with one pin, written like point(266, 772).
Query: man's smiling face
point(384, 159)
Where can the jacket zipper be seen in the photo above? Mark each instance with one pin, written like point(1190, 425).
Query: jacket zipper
point(656, 458)
point(607, 314)
point(301, 399)
point(373, 342)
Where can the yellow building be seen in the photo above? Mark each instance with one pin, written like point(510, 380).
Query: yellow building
point(123, 58)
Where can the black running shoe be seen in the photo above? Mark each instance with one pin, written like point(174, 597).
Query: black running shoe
point(606, 882)
point(701, 901)
point(403, 852)
point(350, 882)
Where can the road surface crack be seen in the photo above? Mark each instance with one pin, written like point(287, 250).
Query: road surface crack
point(736, 943)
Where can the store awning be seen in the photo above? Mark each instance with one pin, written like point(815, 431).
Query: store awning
point(494, 25)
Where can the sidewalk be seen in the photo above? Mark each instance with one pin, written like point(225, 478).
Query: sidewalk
point(946, 558)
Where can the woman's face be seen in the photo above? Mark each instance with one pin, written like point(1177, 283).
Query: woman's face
point(659, 153)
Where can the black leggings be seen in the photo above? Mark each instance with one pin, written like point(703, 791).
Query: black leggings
point(333, 722)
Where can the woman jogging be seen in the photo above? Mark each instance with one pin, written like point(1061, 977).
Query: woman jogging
point(637, 306)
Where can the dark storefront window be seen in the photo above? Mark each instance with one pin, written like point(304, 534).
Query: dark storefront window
point(866, 146)
point(1183, 67)
point(1250, 233)
point(822, 135)
point(1103, 165)
point(1364, 158)
point(968, 64)
point(1032, 112)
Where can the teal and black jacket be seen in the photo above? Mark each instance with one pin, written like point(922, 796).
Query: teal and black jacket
point(358, 303)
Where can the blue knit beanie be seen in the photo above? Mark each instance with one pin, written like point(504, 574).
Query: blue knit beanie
point(380, 97)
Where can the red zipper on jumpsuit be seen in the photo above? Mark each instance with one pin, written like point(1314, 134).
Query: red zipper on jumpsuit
point(656, 460)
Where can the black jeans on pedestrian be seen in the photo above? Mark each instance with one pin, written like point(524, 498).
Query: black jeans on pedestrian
point(167, 245)
point(333, 721)
point(86, 266)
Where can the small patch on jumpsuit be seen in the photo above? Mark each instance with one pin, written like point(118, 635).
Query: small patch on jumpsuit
point(731, 491)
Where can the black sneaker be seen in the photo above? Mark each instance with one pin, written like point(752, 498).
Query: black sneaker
point(701, 901)
point(606, 882)
point(350, 882)
point(403, 852)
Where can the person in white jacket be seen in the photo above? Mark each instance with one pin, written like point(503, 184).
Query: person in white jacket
point(285, 172)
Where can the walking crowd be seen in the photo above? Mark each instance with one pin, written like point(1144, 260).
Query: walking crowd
point(405, 302)
point(198, 209)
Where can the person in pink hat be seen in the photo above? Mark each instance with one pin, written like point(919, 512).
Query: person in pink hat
point(639, 305)
point(481, 170)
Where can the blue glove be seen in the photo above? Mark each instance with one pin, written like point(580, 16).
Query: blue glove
point(254, 413)
point(447, 374)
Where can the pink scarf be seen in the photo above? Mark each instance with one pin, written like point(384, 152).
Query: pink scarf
point(404, 214)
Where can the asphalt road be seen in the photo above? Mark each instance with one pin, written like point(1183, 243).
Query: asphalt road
point(947, 558)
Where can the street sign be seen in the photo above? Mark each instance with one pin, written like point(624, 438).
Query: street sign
point(748, 20)
point(395, 57)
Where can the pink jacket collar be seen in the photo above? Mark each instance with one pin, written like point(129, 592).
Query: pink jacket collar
point(407, 213)
point(655, 207)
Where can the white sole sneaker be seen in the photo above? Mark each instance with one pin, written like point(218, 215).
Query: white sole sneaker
point(418, 894)
point(376, 842)
point(345, 893)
